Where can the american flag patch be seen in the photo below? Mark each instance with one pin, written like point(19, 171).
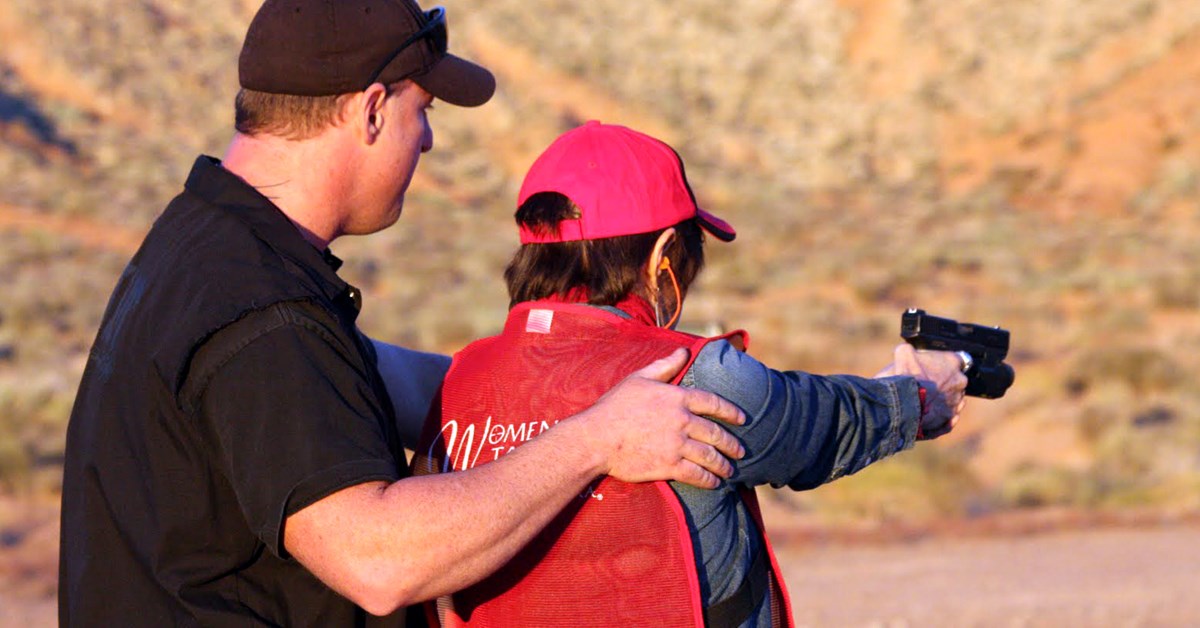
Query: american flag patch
point(539, 321)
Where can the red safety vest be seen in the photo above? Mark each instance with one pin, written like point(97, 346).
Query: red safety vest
point(618, 555)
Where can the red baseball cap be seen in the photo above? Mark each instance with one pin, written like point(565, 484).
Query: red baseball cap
point(624, 183)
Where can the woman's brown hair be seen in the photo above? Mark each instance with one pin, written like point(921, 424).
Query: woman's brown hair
point(608, 269)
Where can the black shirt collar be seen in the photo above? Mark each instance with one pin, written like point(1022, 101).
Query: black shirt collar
point(229, 192)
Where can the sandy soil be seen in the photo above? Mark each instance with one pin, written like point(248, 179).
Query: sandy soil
point(24, 612)
point(1044, 571)
point(1106, 577)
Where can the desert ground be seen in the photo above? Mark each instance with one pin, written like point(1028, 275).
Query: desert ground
point(1031, 164)
point(1014, 571)
point(1145, 576)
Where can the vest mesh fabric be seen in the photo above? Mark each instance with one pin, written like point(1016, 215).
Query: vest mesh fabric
point(619, 554)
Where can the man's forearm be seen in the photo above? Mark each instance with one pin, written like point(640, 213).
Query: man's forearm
point(384, 546)
point(422, 537)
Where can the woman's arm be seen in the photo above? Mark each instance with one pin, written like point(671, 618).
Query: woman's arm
point(803, 430)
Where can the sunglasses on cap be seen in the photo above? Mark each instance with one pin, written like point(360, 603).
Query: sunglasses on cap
point(434, 29)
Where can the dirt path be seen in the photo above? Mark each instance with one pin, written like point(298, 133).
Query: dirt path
point(54, 80)
point(1108, 577)
point(88, 232)
point(1125, 577)
point(24, 612)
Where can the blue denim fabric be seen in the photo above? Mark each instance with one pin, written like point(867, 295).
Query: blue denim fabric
point(801, 431)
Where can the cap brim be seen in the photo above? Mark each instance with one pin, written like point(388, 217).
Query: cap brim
point(458, 82)
point(720, 229)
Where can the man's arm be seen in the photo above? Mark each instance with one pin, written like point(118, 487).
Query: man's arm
point(412, 379)
point(389, 545)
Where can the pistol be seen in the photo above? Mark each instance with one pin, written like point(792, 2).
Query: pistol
point(988, 376)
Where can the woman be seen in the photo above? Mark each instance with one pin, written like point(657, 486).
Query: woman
point(611, 240)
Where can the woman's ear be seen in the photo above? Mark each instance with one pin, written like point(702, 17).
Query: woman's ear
point(658, 260)
point(660, 263)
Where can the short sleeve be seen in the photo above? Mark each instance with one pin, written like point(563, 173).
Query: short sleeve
point(290, 417)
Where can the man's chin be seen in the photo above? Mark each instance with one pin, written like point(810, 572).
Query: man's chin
point(384, 221)
point(393, 216)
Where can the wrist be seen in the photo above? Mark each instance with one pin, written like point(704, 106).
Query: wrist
point(588, 447)
point(923, 396)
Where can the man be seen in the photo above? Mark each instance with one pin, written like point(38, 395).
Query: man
point(233, 455)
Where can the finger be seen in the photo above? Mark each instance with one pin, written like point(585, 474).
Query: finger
point(886, 371)
point(936, 423)
point(948, 361)
point(711, 434)
point(712, 405)
point(909, 363)
point(663, 369)
point(904, 354)
point(691, 473)
point(707, 458)
point(945, 429)
point(940, 430)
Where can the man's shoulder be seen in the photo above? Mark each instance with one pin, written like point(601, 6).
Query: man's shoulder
point(217, 219)
point(221, 248)
point(205, 264)
point(200, 260)
point(195, 229)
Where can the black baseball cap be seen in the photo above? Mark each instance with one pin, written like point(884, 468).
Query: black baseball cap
point(329, 47)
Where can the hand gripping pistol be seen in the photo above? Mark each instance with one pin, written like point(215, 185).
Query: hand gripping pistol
point(987, 374)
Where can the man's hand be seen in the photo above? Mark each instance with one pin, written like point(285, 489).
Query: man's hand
point(940, 373)
point(651, 430)
point(459, 527)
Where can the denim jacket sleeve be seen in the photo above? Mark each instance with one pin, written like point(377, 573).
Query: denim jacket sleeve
point(803, 430)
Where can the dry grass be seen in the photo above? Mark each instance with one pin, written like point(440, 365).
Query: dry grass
point(1030, 164)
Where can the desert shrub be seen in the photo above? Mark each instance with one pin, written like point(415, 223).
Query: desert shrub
point(33, 419)
point(845, 201)
point(921, 484)
point(1142, 369)
point(1179, 290)
point(1149, 446)
point(15, 464)
point(1096, 420)
point(1032, 486)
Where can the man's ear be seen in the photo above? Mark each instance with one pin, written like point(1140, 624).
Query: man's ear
point(368, 113)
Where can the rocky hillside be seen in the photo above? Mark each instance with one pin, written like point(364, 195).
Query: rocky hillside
point(1029, 164)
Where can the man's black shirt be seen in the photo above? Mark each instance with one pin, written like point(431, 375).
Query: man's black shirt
point(227, 389)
